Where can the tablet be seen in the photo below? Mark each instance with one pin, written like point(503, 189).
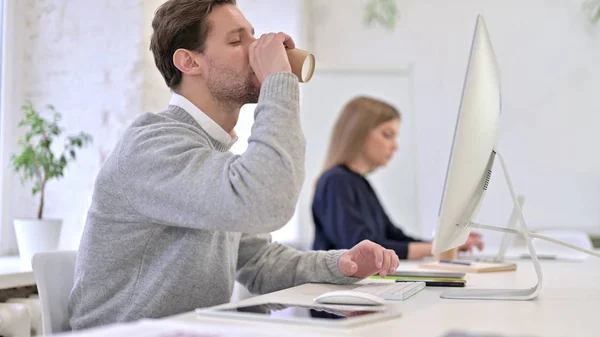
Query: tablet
point(331, 316)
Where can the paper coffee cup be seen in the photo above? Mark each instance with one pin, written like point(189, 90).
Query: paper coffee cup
point(303, 64)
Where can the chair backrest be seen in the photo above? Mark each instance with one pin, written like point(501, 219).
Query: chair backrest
point(54, 273)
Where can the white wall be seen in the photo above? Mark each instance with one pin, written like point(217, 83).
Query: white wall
point(155, 93)
point(548, 56)
point(96, 71)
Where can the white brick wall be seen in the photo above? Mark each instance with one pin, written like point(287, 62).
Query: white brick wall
point(155, 92)
point(91, 60)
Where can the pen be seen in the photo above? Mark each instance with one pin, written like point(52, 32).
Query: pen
point(464, 263)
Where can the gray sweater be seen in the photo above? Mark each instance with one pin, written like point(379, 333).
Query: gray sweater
point(176, 218)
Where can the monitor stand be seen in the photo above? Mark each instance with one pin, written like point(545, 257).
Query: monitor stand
point(500, 255)
point(512, 224)
point(512, 294)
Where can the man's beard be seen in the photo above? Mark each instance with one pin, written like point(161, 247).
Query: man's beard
point(229, 87)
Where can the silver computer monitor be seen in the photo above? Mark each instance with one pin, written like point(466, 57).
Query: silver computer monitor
point(470, 168)
point(472, 153)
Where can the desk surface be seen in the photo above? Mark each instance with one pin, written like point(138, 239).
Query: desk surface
point(12, 275)
point(568, 305)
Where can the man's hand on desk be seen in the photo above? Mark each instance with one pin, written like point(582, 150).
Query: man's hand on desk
point(368, 258)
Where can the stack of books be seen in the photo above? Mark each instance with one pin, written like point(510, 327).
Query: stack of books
point(431, 278)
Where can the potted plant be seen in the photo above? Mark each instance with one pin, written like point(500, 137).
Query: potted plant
point(37, 163)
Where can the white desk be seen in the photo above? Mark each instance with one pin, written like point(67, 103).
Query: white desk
point(12, 275)
point(568, 306)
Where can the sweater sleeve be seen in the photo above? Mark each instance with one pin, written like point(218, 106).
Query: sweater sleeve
point(343, 222)
point(173, 176)
point(265, 266)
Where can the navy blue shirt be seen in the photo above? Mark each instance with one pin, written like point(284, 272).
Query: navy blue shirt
point(346, 210)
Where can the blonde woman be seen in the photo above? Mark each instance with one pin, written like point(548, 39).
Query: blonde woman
point(345, 208)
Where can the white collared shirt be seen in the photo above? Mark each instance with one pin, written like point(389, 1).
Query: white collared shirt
point(210, 126)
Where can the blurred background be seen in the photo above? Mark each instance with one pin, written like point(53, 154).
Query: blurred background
point(90, 59)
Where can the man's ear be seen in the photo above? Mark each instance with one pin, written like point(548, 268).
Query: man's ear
point(187, 62)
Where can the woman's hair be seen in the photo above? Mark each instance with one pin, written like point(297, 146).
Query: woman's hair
point(358, 117)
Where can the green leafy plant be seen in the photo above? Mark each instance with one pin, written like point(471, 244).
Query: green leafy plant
point(593, 9)
point(384, 12)
point(36, 161)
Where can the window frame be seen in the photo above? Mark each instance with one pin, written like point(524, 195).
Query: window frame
point(12, 36)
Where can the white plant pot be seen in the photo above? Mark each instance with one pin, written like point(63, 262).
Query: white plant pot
point(34, 236)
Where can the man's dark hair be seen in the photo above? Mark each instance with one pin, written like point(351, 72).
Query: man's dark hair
point(180, 24)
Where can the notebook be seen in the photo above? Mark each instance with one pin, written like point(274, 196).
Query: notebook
point(429, 273)
point(470, 267)
point(421, 279)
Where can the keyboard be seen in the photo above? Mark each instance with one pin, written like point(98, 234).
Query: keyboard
point(398, 291)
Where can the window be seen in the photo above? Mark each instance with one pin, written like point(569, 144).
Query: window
point(4, 232)
point(288, 233)
point(9, 96)
point(243, 127)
